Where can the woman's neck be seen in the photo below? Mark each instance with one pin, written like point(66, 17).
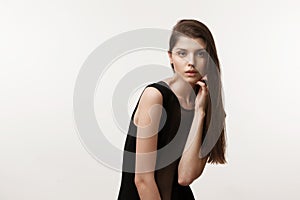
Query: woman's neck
point(182, 89)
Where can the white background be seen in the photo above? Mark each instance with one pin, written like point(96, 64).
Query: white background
point(44, 43)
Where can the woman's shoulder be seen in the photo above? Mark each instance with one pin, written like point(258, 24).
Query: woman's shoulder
point(161, 85)
point(155, 93)
point(152, 94)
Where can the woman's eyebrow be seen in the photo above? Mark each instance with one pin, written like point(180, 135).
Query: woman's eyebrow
point(186, 49)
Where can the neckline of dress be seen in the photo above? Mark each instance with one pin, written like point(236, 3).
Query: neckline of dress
point(185, 109)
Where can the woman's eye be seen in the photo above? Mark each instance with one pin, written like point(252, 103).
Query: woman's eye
point(181, 53)
point(201, 54)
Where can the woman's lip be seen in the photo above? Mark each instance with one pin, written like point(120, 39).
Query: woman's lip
point(191, 73)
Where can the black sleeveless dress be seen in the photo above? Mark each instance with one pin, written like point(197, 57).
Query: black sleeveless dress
point(176, 120)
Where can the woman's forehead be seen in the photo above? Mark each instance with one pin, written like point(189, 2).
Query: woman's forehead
point(190, 43)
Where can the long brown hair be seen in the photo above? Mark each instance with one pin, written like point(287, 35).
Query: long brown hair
point(195, 29)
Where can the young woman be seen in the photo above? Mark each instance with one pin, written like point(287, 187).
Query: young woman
point(170, 121)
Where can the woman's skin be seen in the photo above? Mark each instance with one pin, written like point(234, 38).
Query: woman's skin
point(187, 54)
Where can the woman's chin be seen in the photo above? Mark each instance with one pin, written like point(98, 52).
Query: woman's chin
point(193, 80)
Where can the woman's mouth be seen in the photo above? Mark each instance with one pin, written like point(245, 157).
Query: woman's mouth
point(191, 73)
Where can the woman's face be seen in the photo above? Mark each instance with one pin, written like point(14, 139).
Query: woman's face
point(189, 58)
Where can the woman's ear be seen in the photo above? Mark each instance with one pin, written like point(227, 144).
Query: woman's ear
point(170, 57)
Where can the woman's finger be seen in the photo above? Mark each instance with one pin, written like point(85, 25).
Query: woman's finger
point(201, 83)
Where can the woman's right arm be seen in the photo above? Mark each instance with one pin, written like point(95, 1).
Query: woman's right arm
point(147, 118)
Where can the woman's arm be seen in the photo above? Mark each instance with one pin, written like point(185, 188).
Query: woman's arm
point(147, 118)
point(190, 165)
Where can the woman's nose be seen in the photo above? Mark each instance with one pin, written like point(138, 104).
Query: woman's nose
point(191, 60)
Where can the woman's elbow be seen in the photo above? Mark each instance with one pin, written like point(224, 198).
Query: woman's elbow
point(141, 181)
point(186, 179)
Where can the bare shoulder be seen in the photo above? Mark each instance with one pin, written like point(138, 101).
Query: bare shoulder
point(151, 97)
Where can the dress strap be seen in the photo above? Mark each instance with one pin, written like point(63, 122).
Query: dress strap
point(163, 89)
